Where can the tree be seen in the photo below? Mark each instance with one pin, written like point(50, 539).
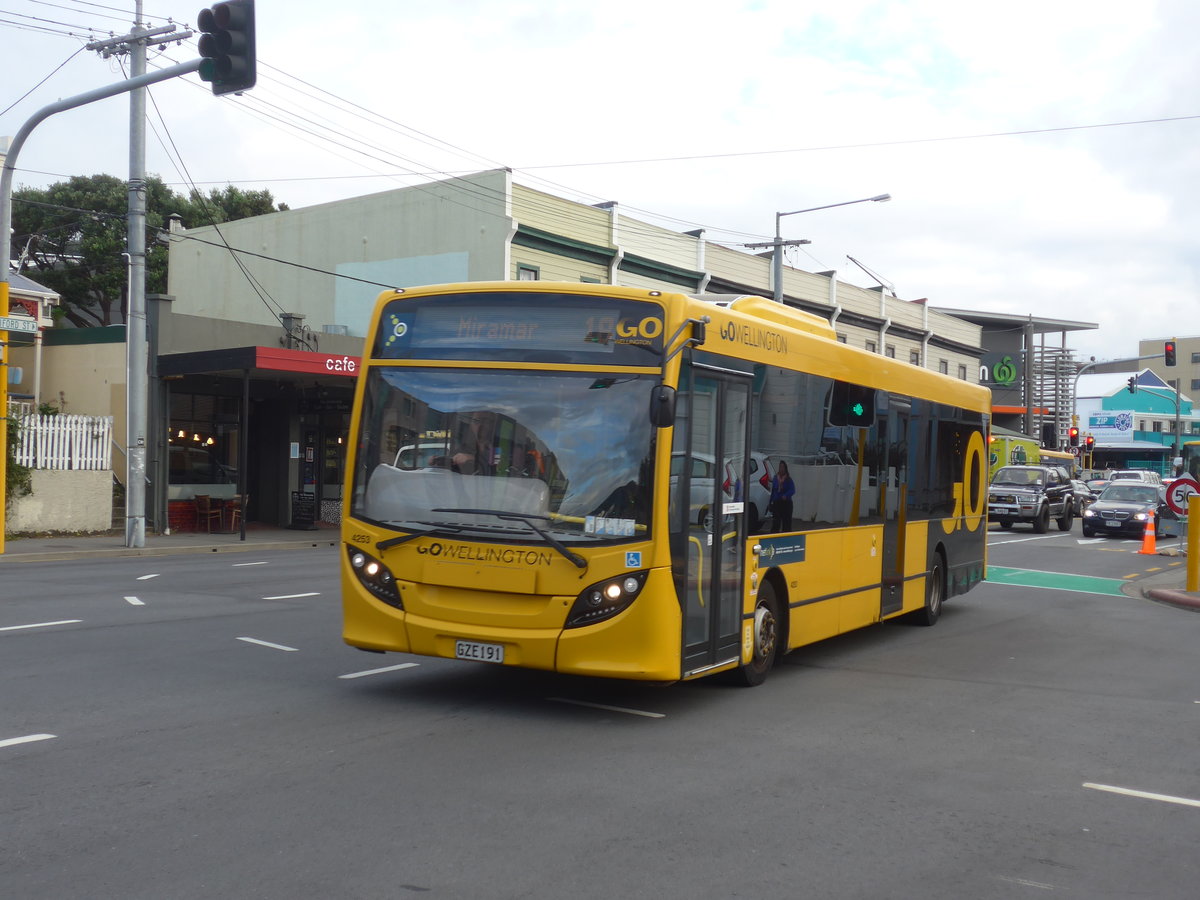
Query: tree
point(71, 237)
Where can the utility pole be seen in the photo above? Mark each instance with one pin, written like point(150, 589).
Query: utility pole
point(779, 243)
point(777, 246)
point(135, 320)
point(136, 356)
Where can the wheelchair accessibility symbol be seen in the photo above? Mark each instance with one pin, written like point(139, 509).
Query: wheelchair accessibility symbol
point(633, 559)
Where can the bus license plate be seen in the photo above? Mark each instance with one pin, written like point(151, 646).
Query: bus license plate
point(492, 653)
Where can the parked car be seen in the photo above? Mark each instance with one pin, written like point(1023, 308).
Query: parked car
point(1124, 507)
point(1033, 494)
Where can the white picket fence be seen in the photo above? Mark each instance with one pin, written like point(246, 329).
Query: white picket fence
point(65, 442)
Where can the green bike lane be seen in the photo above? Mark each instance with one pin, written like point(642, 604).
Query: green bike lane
point(1056, 581)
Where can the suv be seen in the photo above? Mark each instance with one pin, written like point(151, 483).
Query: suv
point(1033, 494)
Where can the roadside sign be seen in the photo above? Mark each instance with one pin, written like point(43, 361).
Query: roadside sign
point(12, 323)
point(1075, 452)
point(1179, 491)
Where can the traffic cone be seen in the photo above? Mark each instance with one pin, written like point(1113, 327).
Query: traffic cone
point(1148, 539)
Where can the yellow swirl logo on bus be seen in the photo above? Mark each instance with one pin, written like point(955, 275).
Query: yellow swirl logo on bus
point(648, 328)
point(970, 497)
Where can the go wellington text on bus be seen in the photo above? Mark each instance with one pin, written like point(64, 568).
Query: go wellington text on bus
point(578, 479)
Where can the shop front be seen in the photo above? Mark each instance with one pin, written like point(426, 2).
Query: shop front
point(249, 435)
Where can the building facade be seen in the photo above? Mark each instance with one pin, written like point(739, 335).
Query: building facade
point(255, 347)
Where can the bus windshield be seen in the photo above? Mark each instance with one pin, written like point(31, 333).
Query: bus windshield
point(505, 455)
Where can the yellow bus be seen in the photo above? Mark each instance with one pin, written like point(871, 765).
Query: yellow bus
point(598, 500)
point(1189, 452)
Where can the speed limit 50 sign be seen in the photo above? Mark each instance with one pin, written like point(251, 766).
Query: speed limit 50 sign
point(1179, 491)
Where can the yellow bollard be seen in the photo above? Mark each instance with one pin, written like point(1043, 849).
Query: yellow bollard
point(1193, 547)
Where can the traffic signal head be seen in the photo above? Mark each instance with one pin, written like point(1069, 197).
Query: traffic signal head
point(1169, 353)
point(1132, 382)
point(1089, 442)
point(227, 46)
point(1073, 436)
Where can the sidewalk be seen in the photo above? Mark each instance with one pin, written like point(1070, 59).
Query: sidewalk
point(18, 548)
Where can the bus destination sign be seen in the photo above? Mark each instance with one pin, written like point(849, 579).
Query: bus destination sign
point(568, 329)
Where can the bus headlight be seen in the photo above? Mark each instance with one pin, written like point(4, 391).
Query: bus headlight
point(375, 577)
point(604, 599)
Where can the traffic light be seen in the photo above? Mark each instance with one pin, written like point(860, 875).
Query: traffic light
point(1073, 436)
point(227, 46)
point(1132, 382)
point(1169, 353)
point(1090, 443)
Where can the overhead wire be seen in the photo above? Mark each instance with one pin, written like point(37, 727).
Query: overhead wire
point(309, 129)
point(273, 306)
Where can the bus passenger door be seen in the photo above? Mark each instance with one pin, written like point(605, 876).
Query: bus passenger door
point(717, 412)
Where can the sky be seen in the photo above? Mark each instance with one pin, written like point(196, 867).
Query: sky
point(1041, 156)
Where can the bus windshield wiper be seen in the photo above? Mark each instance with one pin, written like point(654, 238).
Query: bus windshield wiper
point(412, 535)
point(440, 529)
point(527, 518)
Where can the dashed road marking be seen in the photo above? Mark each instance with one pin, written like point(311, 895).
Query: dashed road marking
point(1145, 795)
point(250, 640)
point(620, 709)
point(379, 671)
point(27, 739)
point(41, 624)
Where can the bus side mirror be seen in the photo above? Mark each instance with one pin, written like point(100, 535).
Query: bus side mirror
point(662, 406)
point(699, 332)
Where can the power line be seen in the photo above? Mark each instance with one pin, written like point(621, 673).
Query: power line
point(867, 145)
point(40, 83)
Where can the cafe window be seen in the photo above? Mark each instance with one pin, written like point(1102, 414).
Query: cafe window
point(202, 443)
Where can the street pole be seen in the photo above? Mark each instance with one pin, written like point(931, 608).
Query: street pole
point(779, 243)
point(135, 317)
point(6, 180)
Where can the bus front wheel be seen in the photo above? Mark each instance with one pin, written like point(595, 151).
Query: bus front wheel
point(767, 629)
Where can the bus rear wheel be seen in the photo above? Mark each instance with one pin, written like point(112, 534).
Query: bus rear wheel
point(935, 593)
point(767, 629)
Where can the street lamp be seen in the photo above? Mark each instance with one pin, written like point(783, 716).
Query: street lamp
point(778, 244)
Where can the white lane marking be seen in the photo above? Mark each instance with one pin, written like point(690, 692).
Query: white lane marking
point(239, 565)
point(134, 601)
point(1145, 795)
point(41, 625)
point(1041, 537)
point(250, 640)
point(28, 739)
point(294, 596)
point(380, 671)
point(1025, 882)
point(147, 577)
point(620, 709)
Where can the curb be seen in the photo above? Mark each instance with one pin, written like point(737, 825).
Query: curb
point(56, 555)
point(1180, 599)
